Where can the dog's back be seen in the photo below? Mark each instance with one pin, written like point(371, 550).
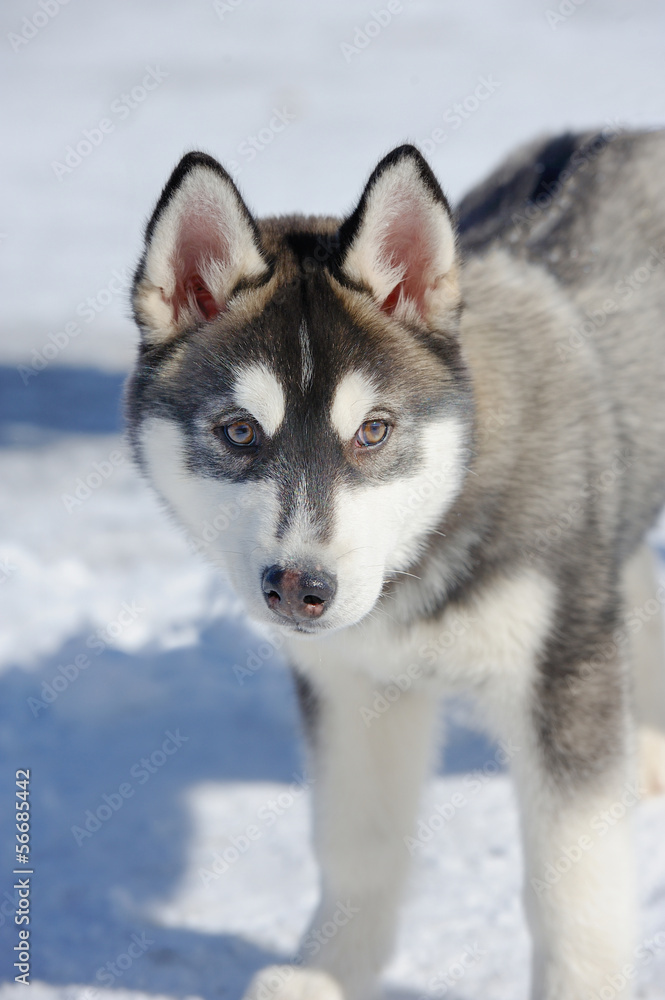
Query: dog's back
point(589, 210)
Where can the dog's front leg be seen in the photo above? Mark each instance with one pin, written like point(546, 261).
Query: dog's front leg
point(368, 768)
point(576, 788)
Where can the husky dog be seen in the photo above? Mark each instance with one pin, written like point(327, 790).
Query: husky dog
point(441, 438)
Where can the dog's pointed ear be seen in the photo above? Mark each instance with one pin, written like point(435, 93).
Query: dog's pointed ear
point(400, 242)
point(200, 243)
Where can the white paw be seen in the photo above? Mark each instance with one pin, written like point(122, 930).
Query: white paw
point(651, 760)
point(289, 982)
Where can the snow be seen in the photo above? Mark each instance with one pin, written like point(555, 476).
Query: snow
point(113, 633)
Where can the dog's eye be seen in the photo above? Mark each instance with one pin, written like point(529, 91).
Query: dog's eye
point(240, 433)
point(371, 433)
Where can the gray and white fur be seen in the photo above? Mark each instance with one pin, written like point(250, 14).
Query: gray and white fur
point(443, 437)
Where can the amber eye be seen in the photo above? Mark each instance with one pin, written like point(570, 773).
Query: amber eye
point(371, 433)
point(240, 433)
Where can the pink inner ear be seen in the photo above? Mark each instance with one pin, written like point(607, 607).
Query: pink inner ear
point(409, 244)
point(198, 291)
point(200, 240)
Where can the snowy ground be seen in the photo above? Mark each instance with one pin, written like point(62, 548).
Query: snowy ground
point(110, 584)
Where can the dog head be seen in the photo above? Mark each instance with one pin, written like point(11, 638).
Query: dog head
point(299, 400)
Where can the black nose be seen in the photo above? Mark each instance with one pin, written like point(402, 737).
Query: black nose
point(298, 594)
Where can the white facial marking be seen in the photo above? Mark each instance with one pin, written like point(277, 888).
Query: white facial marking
point(379, 529)
point(233, 524)
point(258, 391)
point(306, 359)
point(197, 499)
point(301, 530)
point(354, 398)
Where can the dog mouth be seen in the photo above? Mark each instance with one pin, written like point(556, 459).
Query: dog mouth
point(307, 629)
point(302, 628)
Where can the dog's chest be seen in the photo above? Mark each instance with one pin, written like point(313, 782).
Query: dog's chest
point(497, 633)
